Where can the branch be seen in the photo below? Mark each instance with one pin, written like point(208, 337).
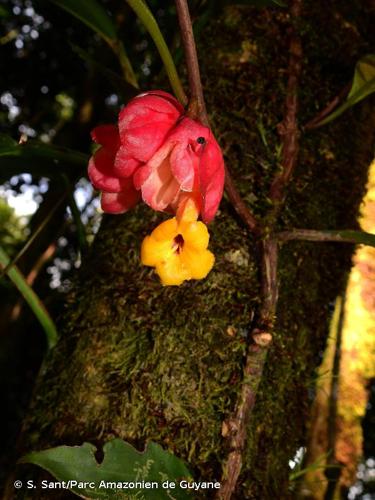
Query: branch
point(236, 427)
point(239, 205)
point(344, 236)
point(288, 129)
point(197, 107)
point(269, 283)
point(261, 335)
point(315, 122)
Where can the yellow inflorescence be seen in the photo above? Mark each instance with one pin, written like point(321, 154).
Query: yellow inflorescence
point(177, 249)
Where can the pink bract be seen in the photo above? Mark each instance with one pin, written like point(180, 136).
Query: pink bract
point(143, 126)
point(157, 153)
point(189, 163)
point(118, 194)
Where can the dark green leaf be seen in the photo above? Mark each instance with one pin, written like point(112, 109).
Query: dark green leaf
point(91, 13)
point(31, 298)
point(39, 158)
point(118, 82)
point(121, 463)
point(4, 12)
point(146, 17)
point(34, 235)
point(95, 16)
point(363, 85)
point(364, 78)
point(6, 142)
point(359, 237)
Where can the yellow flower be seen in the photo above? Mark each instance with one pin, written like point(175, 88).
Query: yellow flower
point(177, 249)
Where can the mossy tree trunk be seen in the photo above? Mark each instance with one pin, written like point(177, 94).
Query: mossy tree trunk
point(143, 362)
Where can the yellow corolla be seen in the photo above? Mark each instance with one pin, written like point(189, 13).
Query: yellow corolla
point(177, 249)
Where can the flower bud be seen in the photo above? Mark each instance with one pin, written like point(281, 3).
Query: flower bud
point(118, 194)
point(157, 153)
point(144, 124)
point(189, 163)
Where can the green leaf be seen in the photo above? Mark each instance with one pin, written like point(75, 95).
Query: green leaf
point(31, 298)
point(39, 158)
point(92, 14)
point(6, 143)
point(319, 464)
point(363, 85)
point(121, 464)
point(364, 78)
point(96, 17)
point(4, 12)
point(33, 236)
point(145, 15)
point(121, 85)
point(359, 237)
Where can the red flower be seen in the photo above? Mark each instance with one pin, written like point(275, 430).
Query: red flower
point(118, 194)
point(159, 153)
point(143, 125)
point(189, 164)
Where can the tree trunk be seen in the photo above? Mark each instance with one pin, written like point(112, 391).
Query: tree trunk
point(143, 362)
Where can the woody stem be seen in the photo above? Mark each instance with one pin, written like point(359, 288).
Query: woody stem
point(197, 107)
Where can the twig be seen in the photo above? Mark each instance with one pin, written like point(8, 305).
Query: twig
point(315, 122)
point(345, 236)
point(269, 283)
point(197, 107)
point(236, 427)
point(261, 336)
point(288, 129)
point(239, 205)
point(262, 333)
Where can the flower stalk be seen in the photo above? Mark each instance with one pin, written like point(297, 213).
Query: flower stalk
point(197, 106)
